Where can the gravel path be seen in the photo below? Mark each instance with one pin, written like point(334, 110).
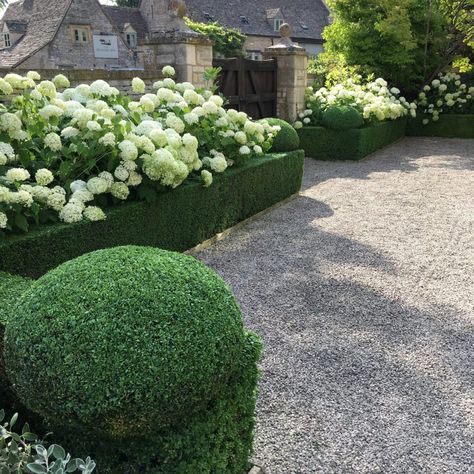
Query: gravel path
point(362, 289)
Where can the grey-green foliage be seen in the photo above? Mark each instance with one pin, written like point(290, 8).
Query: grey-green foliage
point(25, 453)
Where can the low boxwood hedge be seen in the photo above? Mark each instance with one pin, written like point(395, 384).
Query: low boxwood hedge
point(139, 357)
point(325, 144)
point(11, 288)
point(448, 126)
point(178, 219)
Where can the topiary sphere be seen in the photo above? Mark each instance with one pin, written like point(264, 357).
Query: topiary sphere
point(342, 118)
point(287, 139)
point(124, 340)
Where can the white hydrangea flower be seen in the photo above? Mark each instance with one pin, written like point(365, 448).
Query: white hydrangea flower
point(71, 213)
point(94, 213)
point(138, 86)
point(17, 175)
point(56, 201)
point(3, 220)
point(53, 141)
point(120, 191)
point(240, 137)
point(134, 179)
point(128, 149)
point(121, 173)
point(93, 126)
point(61, 81)
point(44, 177)
point(206, 178)
point(108, 139)
point(244, 150)
point(168, 71)
point(97, 185)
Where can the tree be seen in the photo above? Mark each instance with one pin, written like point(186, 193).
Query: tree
point(228, 42)
point(407, 42)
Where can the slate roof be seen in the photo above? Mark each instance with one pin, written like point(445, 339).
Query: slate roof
point(312, 14)
point(120, 16)
point(44, 19)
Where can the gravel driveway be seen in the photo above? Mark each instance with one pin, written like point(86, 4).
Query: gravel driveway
point(363, 291)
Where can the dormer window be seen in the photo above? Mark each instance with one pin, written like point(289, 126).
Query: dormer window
point(6, 40)
point(131, 39)
point(277, 22)
point(80, 35)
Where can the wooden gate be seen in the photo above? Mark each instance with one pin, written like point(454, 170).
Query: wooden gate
point(250, 86)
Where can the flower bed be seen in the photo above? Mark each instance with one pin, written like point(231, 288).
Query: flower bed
point(354, 144)
point(177, 220)
point(68, 153)
point(448, 126)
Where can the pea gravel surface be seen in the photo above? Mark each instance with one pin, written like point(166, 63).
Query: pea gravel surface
point(362, 289)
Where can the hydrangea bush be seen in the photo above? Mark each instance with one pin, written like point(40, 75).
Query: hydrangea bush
point(445, 95)
point(375, 101)
point(67, 152)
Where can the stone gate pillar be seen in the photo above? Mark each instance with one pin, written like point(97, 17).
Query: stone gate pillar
point(173, 43)
point(292, 61)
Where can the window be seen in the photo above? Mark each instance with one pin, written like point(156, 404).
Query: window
point(277, 23)
point(255, 55)
point(6, 40)
point(80, 35)
point(131, 39)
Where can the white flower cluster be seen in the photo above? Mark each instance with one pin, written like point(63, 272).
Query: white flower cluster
point(446, 94)
point(112, 142)
point(374, 100)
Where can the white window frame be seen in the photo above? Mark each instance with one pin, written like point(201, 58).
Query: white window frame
point(255, 55)
point(131, 39)
point(277, 22)
point(7, 39)
point(81, 35)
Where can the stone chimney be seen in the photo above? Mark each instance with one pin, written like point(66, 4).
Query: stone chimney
point(164, 17)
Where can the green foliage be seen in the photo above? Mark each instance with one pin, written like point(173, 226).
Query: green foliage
point(182, 363)
point(287, 139)
point(11, 288)
point(148, 363)
point(228, 42)
point(325, 144)
point(25, 453)
point(330, 69)
point(342, 118)
point(128, 3)
point(406, 42)
point(203, 212)
point(449, 126)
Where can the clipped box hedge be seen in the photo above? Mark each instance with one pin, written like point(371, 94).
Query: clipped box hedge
point(11, 287)
point(448, 126)
point(178, 220)
point(326, 144)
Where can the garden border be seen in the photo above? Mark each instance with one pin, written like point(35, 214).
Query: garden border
point(178, 220)
point(324, 144)
point(448, 126)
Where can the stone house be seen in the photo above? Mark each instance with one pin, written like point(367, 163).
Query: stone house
point(261, 20)
point(84, 34)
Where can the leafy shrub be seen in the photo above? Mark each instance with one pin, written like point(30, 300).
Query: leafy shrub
point(25, 453)
point(227, 42)
point(446, 94)
point(11, 288)
point(65, 155)
point(343, 117)
point(138, 343)
point(373, 100)
point(286, 139)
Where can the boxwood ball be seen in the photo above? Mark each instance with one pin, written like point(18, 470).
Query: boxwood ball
point(124, 340)
point(287, 139)
point(342, 117)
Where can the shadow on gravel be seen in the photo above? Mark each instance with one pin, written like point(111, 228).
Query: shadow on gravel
point(379, 385)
